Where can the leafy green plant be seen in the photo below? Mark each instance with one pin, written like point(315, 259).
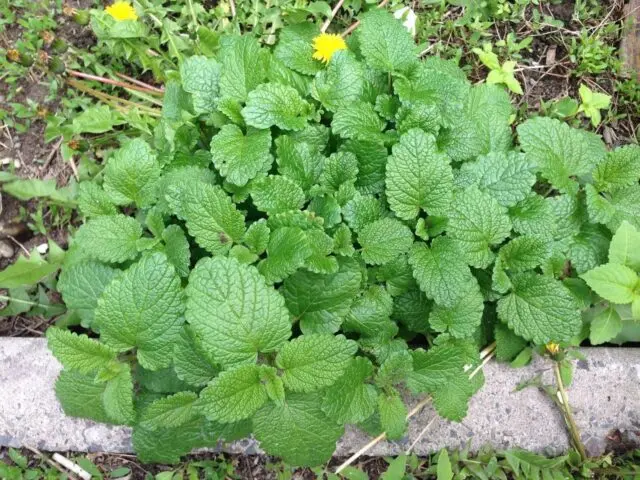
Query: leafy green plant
point(591, 104)
point(498, 73)
point(297, 243)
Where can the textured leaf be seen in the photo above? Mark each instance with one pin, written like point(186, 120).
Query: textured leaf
point(238, 157)
point(461, 141)
point(311, 362)
point(234, 395)
point(385, 43)
point(350, 399)
point(273, 104)
point(605, 326)
point(625, 246)
point(191, 361)
point(244, 66)
point(508, 177)
point(200, 77)
point(418, 176)
point(177, 249)
point(533, 216)
point(508, 344)
point(421, 115)
point(620, 169)
point(321, 301)
point(297, 430)
point(540, 309)
point(256, 238)
point(295, 48)
point(172, 411)
point(234, 312)
point(369, 313)
point(276, 194)
point(287, 251)
point(383, 240)
point(110, 238)
point(462, 319)
point(393, 415)
point(452, 399)
point(436, 367)
point(211, 217)
point(341, 83)
point(525, 253)
point(559, 151)
point(93, 201)
point(82, 284)
point(613, 282)
point(142, 309)
point(440, 270)
point(359, 121)
point(361, 211)
point(131, 174)
point(79, 352)
point(615, 207)
point(80, 396)
point(118, 398)
point(299, 161)
point(476, 222)
point(372, 159)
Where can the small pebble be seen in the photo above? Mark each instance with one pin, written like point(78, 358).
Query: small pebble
point(6, 250)
point(42, 248)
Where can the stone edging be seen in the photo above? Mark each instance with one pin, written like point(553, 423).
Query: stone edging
point(605, 395)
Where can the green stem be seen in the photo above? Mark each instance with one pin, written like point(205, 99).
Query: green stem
point(568, 414)
point(25, 302)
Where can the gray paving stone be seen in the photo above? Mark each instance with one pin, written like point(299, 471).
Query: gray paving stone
point(605, 396)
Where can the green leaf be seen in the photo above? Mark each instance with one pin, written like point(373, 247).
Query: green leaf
point(240, 158)
point(540, 309)
point(533, 216)
point(276, 194)
point(297, 430)
point(295, 48)
point(256, 238)
point(111, 239)
point(168, 412)
point(451, 400)
point(625, 246)
point(621, 168)
point(605, 326)
point(118, 397)
point(298, 161)
point(476, 222)
point(191, 361)
point(383, 240)
point(385, 43)
point(443, 470)
point(508, 344)
point(372, 159)
point(341, 83)
point(200, 77)
point(80, 396)
point(350, 399)
point(436, 367)
point(244, 66)
point(211, 217)
point(27, 271)
point(234, 312)
point(440, 270)
point(464, 317)
point(507, 177)
point(359, 121)
point(143, 309)
point(397, 468)
point(525, 253)
point(311, 362)
point(177, 249)
point(369, 313)
point(234, 395)
point(361, 211)
point(393, 415)
point(273, 104)
point(93, 201)
point(418, 176)
point(613, 282)
point(131, 174)
point(287, 251)
point(559, 151)
point(79, 352)
point(321, 301)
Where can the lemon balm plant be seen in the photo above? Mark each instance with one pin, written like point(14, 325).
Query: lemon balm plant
point(309, 234)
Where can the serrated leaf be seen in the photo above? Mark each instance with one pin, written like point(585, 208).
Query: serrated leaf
point(93, 201)
point(394, 369)
point(476, 222)
point(358, 121)
point(350, 399)
point(244, 66)
point(463, 318)
point(385, 43)
point(451, 400)
point(143, 309)
point(273, 104)
point(436, 367)
point(372, 159)
point(540, 309)
point(525, 253)
point(625, 246)
point(200, 77)
point(295, 48)
point(110, 239)
point(384, 240)
point(508, 177)
point(276, 194)
point(393, 415)
point(211, 217)
point(256, 238)
point(420, 115)
point(118, 397)
point(321, 301)
point(234, 312)
point(298, 161)
point(533, 216)
point(461, 141)
point(440, 270)
point(82, 284)
point(177, 249)
point(369, 314)
point(297, 430)
point(131, 174)
point(169, 412)
point(80, 396)
point(613, 282)
point(238, 157)
point(418, 176)
point(191, 361)
point(79, 352)
point(612, 208)
point(559, 151)
point(311, 362)
point(508, 344)
point(233, 395)
point(287, 251)
point(621, 168)
point(341, 83)
point(362, 210)
point(605, 326)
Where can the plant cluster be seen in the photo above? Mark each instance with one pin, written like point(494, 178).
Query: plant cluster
point(298, 243)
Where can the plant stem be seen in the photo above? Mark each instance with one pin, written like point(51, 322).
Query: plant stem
point(4, 298)
point(327, 22)
point(116, 83)
point(568, 414)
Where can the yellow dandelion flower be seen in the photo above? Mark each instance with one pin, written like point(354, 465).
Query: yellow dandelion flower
point(121, 11)
point(326, 44)
point(553, 348)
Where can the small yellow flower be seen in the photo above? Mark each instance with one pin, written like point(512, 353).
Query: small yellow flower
point(120, 10)
point(553, 348)
point(326, 44)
